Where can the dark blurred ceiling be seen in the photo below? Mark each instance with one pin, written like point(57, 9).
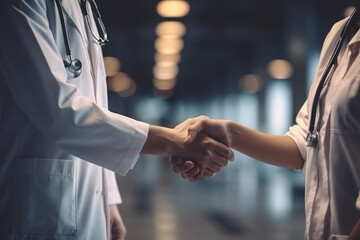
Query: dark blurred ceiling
point(225, 39)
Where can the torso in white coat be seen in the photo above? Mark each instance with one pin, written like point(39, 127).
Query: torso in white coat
point(49, 123)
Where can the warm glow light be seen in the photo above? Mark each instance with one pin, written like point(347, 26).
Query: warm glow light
point(173, 8)
point(172, 58)
point(170, 29)
point(251, 83)
point(164, 84)
point(112, 66)
point(169, 45)
point(165, 71)
point(166, 64)
point(119, 83)
point(280, 69)
point(130, 91)
point(348, 11)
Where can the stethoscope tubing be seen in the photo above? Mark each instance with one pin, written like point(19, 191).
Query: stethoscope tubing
point(332, 62)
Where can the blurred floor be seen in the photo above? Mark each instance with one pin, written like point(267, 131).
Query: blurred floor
point(241, 202)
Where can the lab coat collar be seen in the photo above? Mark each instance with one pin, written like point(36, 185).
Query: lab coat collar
point(355, 39)
point(73, 13)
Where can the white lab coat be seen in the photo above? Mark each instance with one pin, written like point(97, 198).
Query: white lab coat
point(50, 124)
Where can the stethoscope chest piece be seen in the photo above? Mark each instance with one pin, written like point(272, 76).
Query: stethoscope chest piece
point(312, 139)
point(73, 67)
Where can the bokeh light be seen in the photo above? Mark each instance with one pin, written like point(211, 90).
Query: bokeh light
point(167, 58)
point(169, 45)
point(170, 29)
point(173, 8)
point(112, 66)
point(167, 84)
point(280, 69)
point(165, 71)
point(119, 82)
point(251, 83)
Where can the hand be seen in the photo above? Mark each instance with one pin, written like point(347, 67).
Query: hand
point(117, 228)
point(215, 128)
point(210, 154)
point(188, 169)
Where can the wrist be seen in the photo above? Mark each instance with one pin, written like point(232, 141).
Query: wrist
point(229, 130)
point(161, 141)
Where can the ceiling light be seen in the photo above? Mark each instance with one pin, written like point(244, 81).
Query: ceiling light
point(169, 45)
point(173, 8)
point(280, 69)
point(170, 29)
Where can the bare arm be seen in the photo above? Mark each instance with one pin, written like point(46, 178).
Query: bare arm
point(276, 150)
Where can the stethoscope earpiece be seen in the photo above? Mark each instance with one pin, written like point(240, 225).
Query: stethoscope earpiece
point(73, 67)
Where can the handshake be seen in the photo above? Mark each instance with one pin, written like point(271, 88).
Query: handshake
point(197, 147)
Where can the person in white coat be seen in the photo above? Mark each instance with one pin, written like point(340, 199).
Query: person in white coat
point(58, 141)
point(324, 143)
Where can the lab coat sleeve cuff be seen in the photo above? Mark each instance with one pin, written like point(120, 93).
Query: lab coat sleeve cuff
point(129, 159)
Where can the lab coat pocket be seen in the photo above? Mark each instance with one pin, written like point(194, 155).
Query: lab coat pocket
point(45, 197)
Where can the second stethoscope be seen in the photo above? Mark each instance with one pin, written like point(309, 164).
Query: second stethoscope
point(74, 66)
point(312, 136)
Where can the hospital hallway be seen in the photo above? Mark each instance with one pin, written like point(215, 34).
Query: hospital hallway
point(247, 200)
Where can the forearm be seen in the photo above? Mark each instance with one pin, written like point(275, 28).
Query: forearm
point(156, 142)
point(276, 150)
point(163, 141)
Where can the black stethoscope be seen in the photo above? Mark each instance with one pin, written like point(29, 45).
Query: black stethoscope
point(313, 135)
point(74, 66)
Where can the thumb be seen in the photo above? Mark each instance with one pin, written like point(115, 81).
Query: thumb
point(193, 131)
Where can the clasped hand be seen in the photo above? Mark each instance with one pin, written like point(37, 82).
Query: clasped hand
point(209, 154)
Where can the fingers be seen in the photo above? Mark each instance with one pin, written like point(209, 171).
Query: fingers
point(192, 174)
point(192, 133)
point(184, 168)
point(196, 127)
point(187, 169)
point(209, 173)
point(175, 161)
point(196, 177)
point(211, 155)
point(223, 151)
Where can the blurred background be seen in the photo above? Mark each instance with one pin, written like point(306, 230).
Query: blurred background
point(251, 61)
